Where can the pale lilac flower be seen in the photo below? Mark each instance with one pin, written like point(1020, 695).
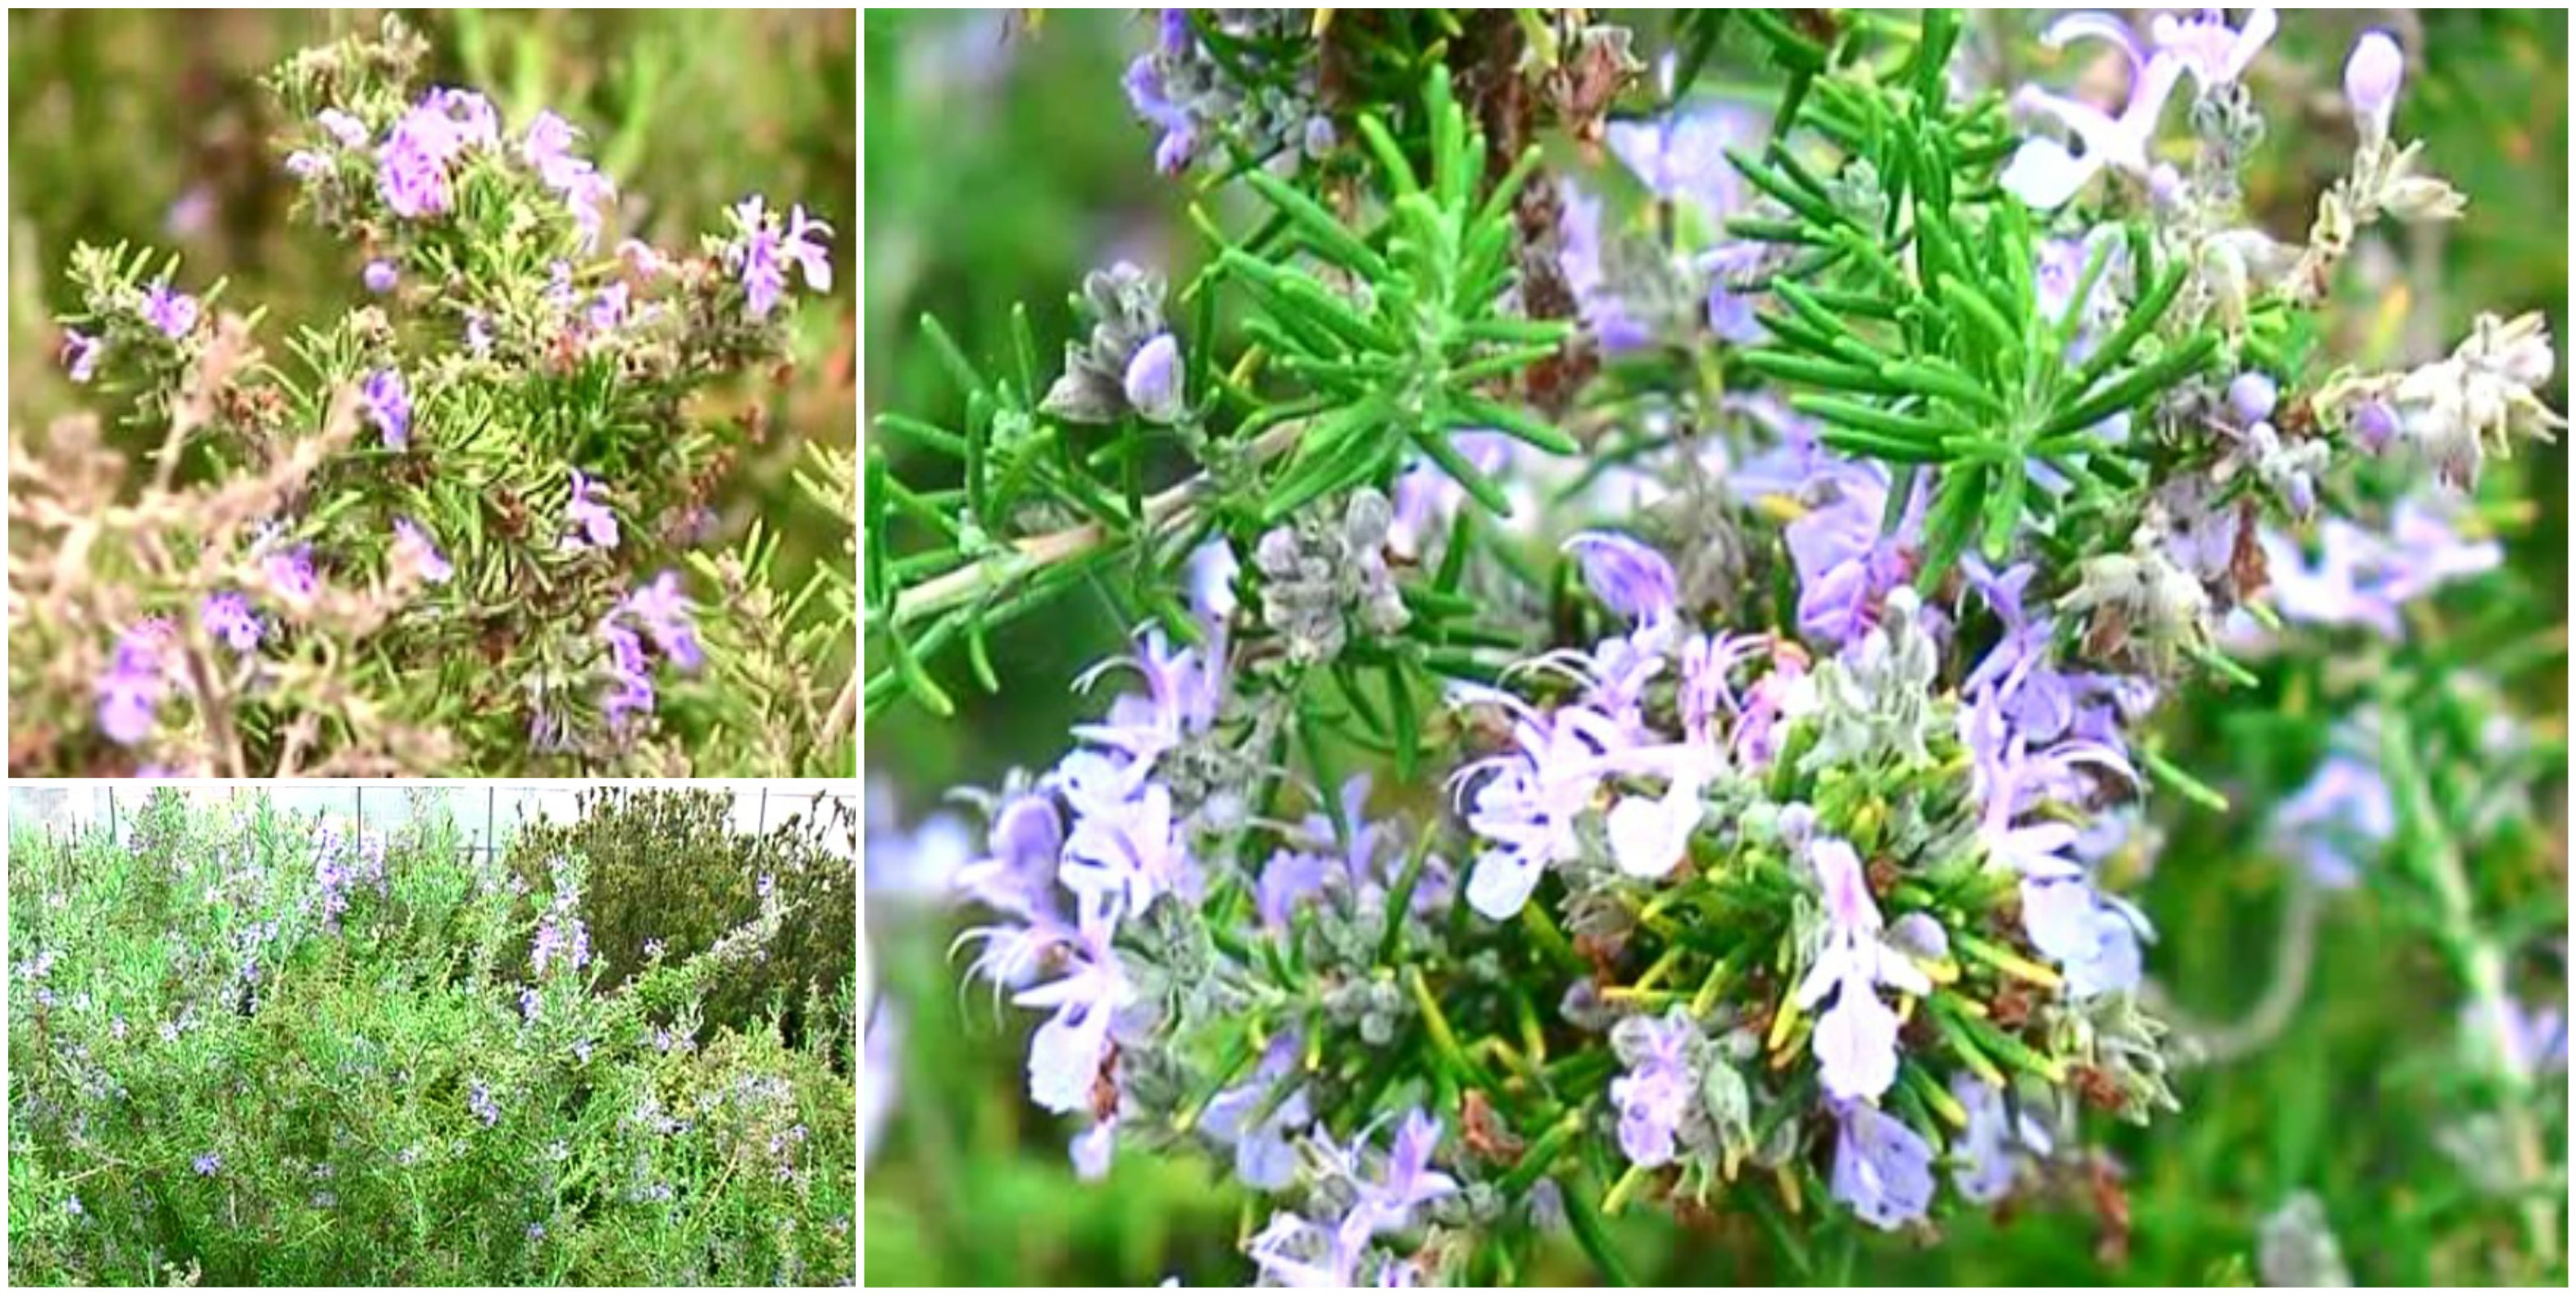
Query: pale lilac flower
point(207, 1164)
point(481, 1103)
point(1068, 1050)
point(227, 616)
point(379, 276)
point(1855, 1039)
point(1659, 1087)
point(1526, 801)
point(291, 573)
point(669, 618)
point(2044, 173)
point(304, 164)
point(1632, 580)
point(1184, 689)
point(536, 1232)
point(1987, 1156)
point(1130, 854)
point(351, 132)
point(1026, 840)
point(174, 313)
point(411, 165)
point(2339, 821)
point(388, 406)
point(594, 527)
point(414, 548)
point(1681, 154)
point(81, 353)
point(1265, 1152)
point(1581, 258)
point(1882, 1168)
point(2214, 53)
point(529, 1002)
point(2535, 1041)
point(131, 690)
point(1407, 1181)
point(763, 254)
point(2371, 79)
point(641, 258)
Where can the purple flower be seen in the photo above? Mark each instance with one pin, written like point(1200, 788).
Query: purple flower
point(304, 164)
point(1855, 1039)
point(2371, 78)
point(1265, 1153)
point(1026, 840)
point(481, 1103)
point(2044, 173)
point(1408, 1181)
point(388, 406)
point(1153, 381)
point(608, 309)
point(81, 353)
point(1847, 563)
point(547, 146)
point(1184, 688)
point(2214, 53)
point(207, 1163)
point(414, 549)
point(1629, 578)
point(2375, 425)
point(2535, 1038)
point(1882, 1168)
point(351, 132)
point(667, 615)
point(1526, 801)
point(411, 165)
point(290, 572)
point(1131, 852)
point(174, 313)
point(1659, 1087)
point(2339, 821)
point(1987, 1156)
point(228, 617)
point(1069, 1049)
point(536, 1232)
point(594, 527)
point(379, 276)
point(1582, 258)
point(763, 254)
point(1681, 155)
point(131, 690)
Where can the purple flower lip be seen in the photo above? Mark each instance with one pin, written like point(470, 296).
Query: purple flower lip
point(81, 354)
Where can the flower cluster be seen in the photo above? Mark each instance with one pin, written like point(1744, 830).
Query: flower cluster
point(1184, 90)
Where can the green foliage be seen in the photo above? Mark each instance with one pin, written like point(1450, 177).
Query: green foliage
point(188, 992)
point(670, 866)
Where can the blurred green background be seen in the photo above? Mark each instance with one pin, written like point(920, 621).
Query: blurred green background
point(151, 127)
point(1002, 163)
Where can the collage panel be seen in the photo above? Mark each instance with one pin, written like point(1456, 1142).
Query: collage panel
point(1852, 647)
point(432, 394)
point(451, 1034)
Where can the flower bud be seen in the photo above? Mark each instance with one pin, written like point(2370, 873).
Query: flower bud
point(1154, 380)
point(2252, 396)
point(2374, 424)
point(2370, 81)
point(379, 276)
